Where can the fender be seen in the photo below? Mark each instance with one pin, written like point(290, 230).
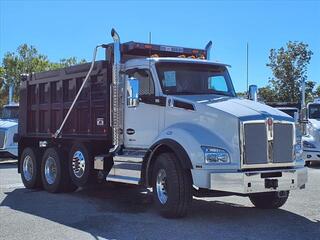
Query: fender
point(185, 140)
point(175, 147)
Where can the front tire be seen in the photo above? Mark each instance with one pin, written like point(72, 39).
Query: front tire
point(172, 186)
point(30, 169)
point(269, 200)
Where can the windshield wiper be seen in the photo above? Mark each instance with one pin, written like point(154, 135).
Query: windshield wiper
point(224, 94)
point(184, 93)
point(199, 93)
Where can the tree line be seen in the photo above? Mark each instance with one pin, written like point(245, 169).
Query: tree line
point(289, 67)
point(25, 60)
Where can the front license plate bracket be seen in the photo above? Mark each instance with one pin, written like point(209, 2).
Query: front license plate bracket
point(271, 183)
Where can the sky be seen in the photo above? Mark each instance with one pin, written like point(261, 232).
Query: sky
point(62, 29)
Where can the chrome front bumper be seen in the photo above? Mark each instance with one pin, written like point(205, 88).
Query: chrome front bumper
point(258, 181)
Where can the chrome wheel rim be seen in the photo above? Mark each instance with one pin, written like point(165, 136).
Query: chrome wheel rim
point(161, 186)
point(27, 168)
point(50, 170)
point(78, 164)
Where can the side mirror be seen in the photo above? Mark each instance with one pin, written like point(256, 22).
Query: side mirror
point(253, 93)
point(133, 92)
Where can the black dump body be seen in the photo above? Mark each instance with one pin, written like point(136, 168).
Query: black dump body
point(45, 98)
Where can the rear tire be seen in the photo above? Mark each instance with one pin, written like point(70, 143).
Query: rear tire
point(54, 172)
point(30, 169)
point(269, 200)
point(172, 186)
point(80, 165)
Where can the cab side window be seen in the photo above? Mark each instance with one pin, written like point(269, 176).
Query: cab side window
point(146, 84)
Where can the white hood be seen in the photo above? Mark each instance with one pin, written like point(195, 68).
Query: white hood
point(313, 133)
point(315, 123)
point(240, 108)
point(8, 123)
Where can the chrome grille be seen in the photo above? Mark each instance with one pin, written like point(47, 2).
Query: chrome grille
point(267, 145)
point(282, 143)
point(256, 144)
point(2, 138)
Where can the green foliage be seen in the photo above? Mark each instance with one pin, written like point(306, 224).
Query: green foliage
point(317, 92)
point(25, 60)
point(289, 68)
point(267, 94)
point(3, 94)
point(66, 62)
point(242, 94)
point(310, 94)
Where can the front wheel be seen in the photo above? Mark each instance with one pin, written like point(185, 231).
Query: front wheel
point(172, 186)
point(269, 200)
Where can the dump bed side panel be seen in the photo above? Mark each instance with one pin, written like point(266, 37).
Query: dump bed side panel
point(46, 97)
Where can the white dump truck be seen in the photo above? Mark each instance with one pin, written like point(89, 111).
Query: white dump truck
point(160, 116)
point(311, 141)
point(8, 128)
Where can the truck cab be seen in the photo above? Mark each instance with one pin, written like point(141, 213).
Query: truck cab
point(9, 127)
point(191, 104)
point(171, 121)
point(184, 110)
point(311, 141)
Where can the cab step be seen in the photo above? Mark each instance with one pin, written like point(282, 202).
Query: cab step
point(127, 166)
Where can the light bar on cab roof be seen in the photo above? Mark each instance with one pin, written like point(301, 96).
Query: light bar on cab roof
point(143, 49)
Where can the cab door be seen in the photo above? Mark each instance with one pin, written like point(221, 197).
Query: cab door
point(141, 116)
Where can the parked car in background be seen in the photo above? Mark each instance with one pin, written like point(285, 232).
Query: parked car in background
point(8, 127)
point(290, 108)
point(291, 111)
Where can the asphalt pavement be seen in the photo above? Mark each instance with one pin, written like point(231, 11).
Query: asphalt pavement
point(113, 211)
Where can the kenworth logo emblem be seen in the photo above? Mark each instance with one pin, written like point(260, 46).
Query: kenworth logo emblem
point(269, 124)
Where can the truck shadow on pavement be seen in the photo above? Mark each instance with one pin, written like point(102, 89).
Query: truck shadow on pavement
point(315, 165)
point(126, 212)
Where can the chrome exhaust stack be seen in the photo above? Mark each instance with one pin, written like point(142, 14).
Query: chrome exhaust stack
point(253, 93)
point(208, 49)
point(116, 47)
point(117, 88)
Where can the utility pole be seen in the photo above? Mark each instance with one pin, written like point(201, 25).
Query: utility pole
point(303, 89)
point(247, 67)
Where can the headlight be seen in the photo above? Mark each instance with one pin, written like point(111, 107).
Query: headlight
point(307, 144)
point(215, 155)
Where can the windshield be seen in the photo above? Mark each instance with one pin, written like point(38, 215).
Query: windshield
point(193, 79)
point(314, 111)
point(10, 113)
